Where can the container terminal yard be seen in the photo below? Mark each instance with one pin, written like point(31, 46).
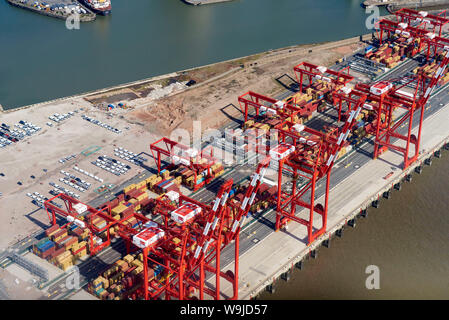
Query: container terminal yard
point(144, 216)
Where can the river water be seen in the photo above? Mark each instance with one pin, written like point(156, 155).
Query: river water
point(41, 59)
point(407, 238)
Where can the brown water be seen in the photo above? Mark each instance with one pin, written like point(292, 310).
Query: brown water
point(407, 238)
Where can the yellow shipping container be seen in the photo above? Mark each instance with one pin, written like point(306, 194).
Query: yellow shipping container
point(157, 180)
point(118, 210)
point(63, 235)
point(138, 270)
point(66, 265)
point(63, 256)
point(219, 173)
point(141, 184)
point(165, 174)
point(177, 180)
point(128, 258)
point(136, 263)
point(81, 254)
point(129, 188)
point(97, 281)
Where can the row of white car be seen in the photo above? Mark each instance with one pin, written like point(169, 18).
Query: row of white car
point(78, 181)
point(61, 117)
point(4, 142)
point(64, 190)
point(39, 199)
point(111, 165)
point(87, 173)
point(101, 124)
point(71, 157)
point(129, 156)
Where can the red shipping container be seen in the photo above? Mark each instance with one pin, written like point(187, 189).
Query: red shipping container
point(60, 243)
point(70, 242)
point(145, 202)
point(57, 252)
point(133, 193)
point(51, 229)
point(47, 253)
point(173, 187)
point(114, 203)
point(58, 234)
point(127, 212)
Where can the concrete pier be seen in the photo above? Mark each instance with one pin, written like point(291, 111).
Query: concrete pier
point(89, 16)
point(198, 2)
point(394, 5)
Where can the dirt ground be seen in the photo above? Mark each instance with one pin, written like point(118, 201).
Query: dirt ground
point(215, 102)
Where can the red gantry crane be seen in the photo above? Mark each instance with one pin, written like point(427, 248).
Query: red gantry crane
point(308, 154)
point(83, 216)
point(384, 97)
point(423, 19)
point(179, 154)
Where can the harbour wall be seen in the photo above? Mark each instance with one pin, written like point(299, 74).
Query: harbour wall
point(90, 16)
point(397, 4)
point(198, 2)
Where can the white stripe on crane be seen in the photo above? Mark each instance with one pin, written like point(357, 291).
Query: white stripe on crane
point(351, 116)
point(206, 230)
point(340, 138)
point(245, 202)
point(330, 160)
point(242, 221)
point(197, 252)
point(216, 203)
point(207, 245)
point(252, 198)
point(255, 178)
point(234, 226)
point(224, 198)
point(214, 225)
point(262, 173)
point(357, 112)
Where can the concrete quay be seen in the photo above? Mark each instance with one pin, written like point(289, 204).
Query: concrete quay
point(87, 17)
point(199, 2)
point(397, 4)
point(274, 256)
point(368, 3)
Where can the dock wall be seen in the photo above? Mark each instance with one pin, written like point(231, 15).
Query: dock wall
point(198, 2)
point(90, 16)
point(394, 5)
